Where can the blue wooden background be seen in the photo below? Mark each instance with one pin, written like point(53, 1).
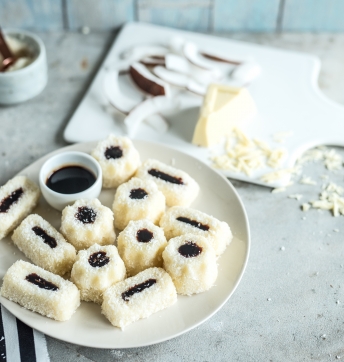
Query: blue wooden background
point(198, 15)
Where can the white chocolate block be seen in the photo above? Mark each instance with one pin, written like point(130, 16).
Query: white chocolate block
point(59, 304)
point(191, 262)
point(118, 159)
point(95, 270)
point(224, 107)
point(137, 199)
point(138, 297)
point(179, 188)
point(140, 245)
point(44, 245)
point(196, 222)
point(18, 197)
point(88, 222)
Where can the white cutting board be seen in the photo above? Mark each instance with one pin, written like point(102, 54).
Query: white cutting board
point(286, 93)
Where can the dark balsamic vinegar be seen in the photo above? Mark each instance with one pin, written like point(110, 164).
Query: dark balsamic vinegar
point(71, 180)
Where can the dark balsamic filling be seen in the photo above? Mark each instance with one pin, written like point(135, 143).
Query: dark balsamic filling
point(144, 236)
point(86, 215)
point(11, 199)
point(138, 288)
point(113, 152)
point(138, 194)
point(166, 177)
point(41, 282)
point(194, 223)
point(189, 249)
point(98, 259)
point(71, 179)
point(46, 238)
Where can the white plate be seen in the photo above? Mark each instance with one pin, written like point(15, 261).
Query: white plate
point(88, 327)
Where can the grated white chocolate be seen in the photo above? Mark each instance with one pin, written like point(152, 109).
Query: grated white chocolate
point(21, 208)
point(194, 274)
point(219, 233)
point(121, 312)
point(176, 194)
point(117, 170)
point(138, 255)
point(59, 304)
point(58, 259)
point(83, 235)
point(151, 207)
point(93, 281)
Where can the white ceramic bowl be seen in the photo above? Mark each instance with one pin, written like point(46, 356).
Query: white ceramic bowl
point(58, 200)
point(25, 83)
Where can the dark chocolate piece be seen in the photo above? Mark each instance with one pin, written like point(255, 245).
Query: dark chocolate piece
point(138, 194)
point(137, 289)
point(166, 177)
point(193, 223)
point(86, 215)
point(41, 282)
point(46, 238)
point(144, 236)
point(113, 152)
point(11, 199)
point(98, 259)
point(189, 249)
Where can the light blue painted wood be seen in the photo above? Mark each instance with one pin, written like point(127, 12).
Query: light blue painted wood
point(100, 14)
point(31, 14)
point(182, 14)
point(245, 15)
point(313, 15)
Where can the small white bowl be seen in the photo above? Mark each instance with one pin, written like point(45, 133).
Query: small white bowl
point(25, 83)
point(73, 158)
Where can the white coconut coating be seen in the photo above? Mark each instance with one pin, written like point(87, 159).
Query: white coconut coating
point(157, 292)
point(93, 280)
point(127, 208)
point(44, 245)
point(58, 304)
point(140, 245)
point(22, 207)
point(180, 191)
point(191, 262)
point(217, 232)
point(118, 159)
point(87, 222)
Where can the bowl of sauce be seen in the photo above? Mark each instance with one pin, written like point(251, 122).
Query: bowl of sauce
point(70, 176)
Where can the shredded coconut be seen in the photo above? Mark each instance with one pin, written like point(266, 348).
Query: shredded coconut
point(245, 155)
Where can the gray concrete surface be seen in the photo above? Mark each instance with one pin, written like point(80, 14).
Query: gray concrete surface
point(289, 305)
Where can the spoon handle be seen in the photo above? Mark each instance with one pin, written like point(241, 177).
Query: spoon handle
point(4, 49)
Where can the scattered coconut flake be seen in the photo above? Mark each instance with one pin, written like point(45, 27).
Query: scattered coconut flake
point(336, 230)
point(282, 248)
point(307, 181)
point(295, 196)
point(305, 207)
point(269, 299)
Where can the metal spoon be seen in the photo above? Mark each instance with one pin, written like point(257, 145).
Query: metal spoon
point(8, 57)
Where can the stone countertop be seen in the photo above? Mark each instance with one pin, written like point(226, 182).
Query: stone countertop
point(289, 305)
